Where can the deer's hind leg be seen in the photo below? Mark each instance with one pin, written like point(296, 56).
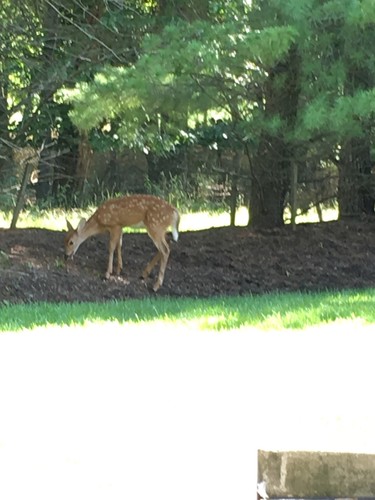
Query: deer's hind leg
point(162, 256)
point(150, 266)
point(119, 254)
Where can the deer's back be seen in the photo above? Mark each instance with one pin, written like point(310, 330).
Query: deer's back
point(134, 210)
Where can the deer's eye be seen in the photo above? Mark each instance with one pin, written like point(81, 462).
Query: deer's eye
point(70, 243)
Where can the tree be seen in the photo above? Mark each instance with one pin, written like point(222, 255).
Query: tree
point(189, 70)
point(291, 80)
point(340, 103)
point(46, 47)
point(323, 95)
point(356, 194)
point(287, 75)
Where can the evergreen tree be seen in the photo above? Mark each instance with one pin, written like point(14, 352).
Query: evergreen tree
point(290, 76)
point(214, 67)
point(336, 102)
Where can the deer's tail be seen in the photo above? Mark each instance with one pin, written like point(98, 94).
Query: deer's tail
point(175, 225)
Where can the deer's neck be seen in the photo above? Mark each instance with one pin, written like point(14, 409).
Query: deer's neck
point(91, 228)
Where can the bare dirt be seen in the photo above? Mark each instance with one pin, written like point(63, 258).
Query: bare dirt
point(225, 261)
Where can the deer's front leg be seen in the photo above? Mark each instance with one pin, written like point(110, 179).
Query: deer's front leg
point(114, 242)
point(110, 264)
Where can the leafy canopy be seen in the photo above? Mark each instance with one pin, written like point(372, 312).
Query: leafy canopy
point(185, 72)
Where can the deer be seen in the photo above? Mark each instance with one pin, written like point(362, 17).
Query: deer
point(151, 212)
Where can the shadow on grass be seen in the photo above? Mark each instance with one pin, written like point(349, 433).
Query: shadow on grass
point(273, 311)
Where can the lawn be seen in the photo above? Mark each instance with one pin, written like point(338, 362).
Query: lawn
point(265, 312)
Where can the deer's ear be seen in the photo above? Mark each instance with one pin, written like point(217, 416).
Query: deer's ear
point(69, 226)
point(81, 225)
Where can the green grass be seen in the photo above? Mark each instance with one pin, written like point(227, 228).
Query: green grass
point(273, 311)
point(55, 219)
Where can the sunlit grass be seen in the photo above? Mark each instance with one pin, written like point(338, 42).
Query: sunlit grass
point(267, 312)
point(312, 216)
point(55, 219)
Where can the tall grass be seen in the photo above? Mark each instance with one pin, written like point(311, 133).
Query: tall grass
point(272, 311)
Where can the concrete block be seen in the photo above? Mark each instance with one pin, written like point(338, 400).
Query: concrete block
point(316, 474)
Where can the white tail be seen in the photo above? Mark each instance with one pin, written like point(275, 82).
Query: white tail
point(154, 213)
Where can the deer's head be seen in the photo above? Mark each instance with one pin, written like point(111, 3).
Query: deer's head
point(73, 238)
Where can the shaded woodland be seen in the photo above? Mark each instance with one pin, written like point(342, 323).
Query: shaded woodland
point(265, 103)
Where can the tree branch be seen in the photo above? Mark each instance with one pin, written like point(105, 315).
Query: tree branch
point(88, 35)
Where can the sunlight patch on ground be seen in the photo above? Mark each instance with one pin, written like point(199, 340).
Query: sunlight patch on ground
point(55, 220)
point(217, 323)
point(205, 220)
point(329, 214)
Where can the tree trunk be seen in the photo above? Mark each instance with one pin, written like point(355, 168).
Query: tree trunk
point(21, 194)
point(83, 164)
point(293, 194)
point(233, 201)
point(272, 162)
point(4, 119)
point(28, 159)
point(355, 196)
point(267, 192)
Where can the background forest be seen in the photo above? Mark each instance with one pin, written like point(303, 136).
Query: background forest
point(268, 103)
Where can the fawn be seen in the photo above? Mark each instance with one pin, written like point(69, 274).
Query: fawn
point(151, 212)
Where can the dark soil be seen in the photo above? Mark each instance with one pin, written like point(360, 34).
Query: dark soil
point(226, 261)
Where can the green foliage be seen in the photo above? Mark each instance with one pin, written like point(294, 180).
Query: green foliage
point(223, 64)
point(285, 75)
point(189, 68)
point(8, 193)
point(345, 116)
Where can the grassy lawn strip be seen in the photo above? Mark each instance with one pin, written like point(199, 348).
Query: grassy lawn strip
point(273, 311)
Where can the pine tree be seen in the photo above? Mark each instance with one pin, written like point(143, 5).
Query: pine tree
point(293, 78)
